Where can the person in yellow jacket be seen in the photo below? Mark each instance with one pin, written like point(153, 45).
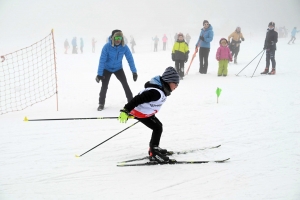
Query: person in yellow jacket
point(234, 45)
point(180, 54)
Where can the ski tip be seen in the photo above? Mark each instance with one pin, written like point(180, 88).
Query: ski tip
point(77, 156)
point(25, 119)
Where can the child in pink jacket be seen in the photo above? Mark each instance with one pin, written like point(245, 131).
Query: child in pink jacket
point(223, 56)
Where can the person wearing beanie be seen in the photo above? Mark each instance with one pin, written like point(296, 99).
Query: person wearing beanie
point(293, 34)
point(180, 54)
point(111, 63)
point(205, 37)
point(270, 48)
point(147, 103)
point(223, 55)
point(234, 45)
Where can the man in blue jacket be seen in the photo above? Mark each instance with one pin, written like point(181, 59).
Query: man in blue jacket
point(206, 36)
point(111, 63)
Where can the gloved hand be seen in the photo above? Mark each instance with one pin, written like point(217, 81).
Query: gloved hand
point(98, 78)
point(123, 117)
point(201, 38)
point(134, 76)
point(243, 39)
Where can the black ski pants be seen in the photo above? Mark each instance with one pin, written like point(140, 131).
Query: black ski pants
point(235, 52)
point(203, 58)
point(179, 66)
point(156, 126)
point(270, 56)
point(121, 77)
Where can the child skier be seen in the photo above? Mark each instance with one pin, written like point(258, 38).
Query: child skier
point(223, 55)
point(180, 54)
point(147, 103)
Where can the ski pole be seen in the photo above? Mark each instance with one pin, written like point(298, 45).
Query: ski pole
point(194, 55)
point(107, 139)
point(26, 119)
point(258, 63)
point(249, 63)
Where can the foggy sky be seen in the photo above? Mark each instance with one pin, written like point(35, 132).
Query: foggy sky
point(23, 22)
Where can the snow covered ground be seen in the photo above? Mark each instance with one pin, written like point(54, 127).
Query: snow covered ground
point(256, 121)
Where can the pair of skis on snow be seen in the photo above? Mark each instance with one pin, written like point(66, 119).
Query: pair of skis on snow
point(171, 161)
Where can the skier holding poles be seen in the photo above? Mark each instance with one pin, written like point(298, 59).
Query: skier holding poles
point(147, 103)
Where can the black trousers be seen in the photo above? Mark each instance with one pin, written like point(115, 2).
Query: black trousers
point(156, 126)
point(121, 77)
point(270, 55)
point(179, 66)
point(203, 58)
point(235, 52)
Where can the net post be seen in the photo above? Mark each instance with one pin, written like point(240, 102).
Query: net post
point(52, 33)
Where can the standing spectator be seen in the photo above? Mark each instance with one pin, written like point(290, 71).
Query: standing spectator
point(111, 63)
point(235, 42)
point(223, 55)
point(175, 37)
point(187, 38)
point(81, 45)
point(146, 104)
point(164, 40)
point(93, 44)
point(206, 36)
point(132, 42)
point(67, 46)
point(180, 54)
point(155, 39)
point(270, 47)
point(74, 44)
point(293, 34)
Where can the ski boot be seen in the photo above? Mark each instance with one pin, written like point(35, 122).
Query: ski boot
point(158, 154)
point(101, 107)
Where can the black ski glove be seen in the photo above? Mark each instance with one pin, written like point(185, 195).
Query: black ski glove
point(134, 76)
point(98, 78)
point(243, 39)
point(201, 38)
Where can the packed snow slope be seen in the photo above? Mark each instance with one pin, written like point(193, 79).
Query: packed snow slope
point(256, 120)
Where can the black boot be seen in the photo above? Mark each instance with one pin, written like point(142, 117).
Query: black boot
point(101, 107)
point(158, 154)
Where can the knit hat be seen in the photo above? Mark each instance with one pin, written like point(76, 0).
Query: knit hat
point(205, 21)
point(272, 24)
point(115, 33)
point(170, 75)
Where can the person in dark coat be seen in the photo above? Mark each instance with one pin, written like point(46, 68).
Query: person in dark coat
point(270, 47)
